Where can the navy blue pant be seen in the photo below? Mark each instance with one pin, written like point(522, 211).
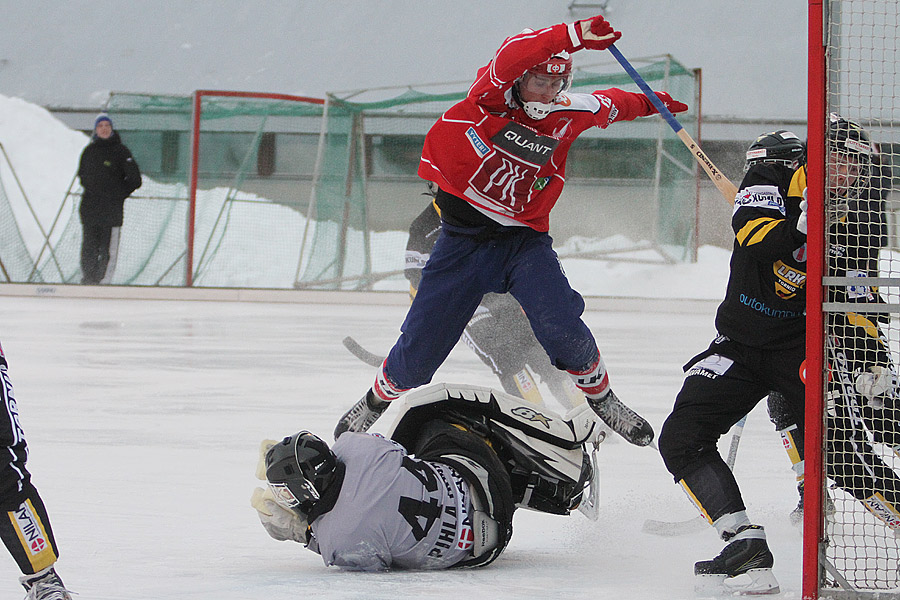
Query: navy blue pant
point(464, 265)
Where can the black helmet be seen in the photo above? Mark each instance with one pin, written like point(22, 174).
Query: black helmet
point(299, 469)
point(849, 138)
point(780, 147)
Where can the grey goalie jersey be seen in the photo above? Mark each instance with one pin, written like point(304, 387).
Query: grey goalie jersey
point(394, 511)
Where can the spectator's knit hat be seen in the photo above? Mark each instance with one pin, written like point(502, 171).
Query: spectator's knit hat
point(100, 118)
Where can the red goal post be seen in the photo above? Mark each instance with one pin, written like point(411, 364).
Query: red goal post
point(194, 170)
point(851, 528)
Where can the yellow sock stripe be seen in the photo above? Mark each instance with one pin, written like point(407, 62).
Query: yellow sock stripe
point(40, 552)
point(756, 230)
point(858, 320)
point(791, 448)
point(883, 510)
point(528, 387)
point(694, 500)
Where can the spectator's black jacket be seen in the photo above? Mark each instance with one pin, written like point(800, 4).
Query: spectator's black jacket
point(108, 174)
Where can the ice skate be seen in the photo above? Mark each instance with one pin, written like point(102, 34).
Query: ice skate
point(621, 419)
point(743, 567)
point(796, 515)
point(361, 415)
point(45, 585)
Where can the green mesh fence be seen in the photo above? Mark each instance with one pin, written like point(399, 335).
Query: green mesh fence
point(297, 194)
point(16, 263)
point(233, 245)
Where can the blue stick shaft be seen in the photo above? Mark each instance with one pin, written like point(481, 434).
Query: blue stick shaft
point(666, 114)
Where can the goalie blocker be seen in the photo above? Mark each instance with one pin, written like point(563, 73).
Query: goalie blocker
point(442, 492)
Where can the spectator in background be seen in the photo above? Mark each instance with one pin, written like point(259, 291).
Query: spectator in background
point(108, 174)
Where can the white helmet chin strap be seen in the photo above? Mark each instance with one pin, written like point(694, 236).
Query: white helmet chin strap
point(537, 110)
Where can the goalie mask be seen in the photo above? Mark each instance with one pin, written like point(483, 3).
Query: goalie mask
point(538, 88)
point(849, 158)
point(299, 469)
point(780, 147)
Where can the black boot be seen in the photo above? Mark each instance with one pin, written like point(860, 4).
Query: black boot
point(45, 585)
point(747, 553)
point(361, 415)
point(796, 515)
point(621, 419)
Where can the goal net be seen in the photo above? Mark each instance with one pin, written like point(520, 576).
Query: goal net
point(851, 529)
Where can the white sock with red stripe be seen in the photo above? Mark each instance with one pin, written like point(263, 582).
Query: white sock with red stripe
point(384, 389)
point(592, 380)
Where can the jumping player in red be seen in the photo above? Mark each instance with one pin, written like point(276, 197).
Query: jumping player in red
point(498, 158)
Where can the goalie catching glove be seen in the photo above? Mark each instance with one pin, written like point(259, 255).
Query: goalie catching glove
point(872, 383)
point(280, 523)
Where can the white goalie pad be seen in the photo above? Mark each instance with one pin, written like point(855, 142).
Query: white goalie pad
point(553, 447)
point(590, 501)
point(576, 428)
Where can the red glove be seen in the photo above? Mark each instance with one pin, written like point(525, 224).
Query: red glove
point(673, 105)
point(596, 33)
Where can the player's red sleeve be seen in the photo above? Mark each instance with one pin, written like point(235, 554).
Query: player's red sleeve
point(631, 105)
point(519, 53)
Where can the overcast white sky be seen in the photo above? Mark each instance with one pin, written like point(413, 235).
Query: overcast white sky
point(71, 53)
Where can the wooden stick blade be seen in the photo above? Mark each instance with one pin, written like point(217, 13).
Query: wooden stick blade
point(727, 189)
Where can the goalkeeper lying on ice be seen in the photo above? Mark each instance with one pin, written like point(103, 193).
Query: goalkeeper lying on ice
point(440, 492)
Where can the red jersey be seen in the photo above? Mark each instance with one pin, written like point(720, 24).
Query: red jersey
point(486, 150)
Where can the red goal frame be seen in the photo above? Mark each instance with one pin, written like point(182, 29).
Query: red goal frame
point(196, 118)
point(815, 373)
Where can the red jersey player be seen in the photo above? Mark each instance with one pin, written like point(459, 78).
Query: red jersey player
point(498, 158)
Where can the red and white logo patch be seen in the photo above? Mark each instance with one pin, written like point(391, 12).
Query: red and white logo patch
point(466, 538)
point(29, 529)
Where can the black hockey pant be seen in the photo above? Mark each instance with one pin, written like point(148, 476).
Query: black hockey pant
point(24, 524)
point(722, 385)
point(500, 335)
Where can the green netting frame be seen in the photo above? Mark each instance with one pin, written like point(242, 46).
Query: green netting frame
point(153, 248)
point(16, 263)
point(303, 216)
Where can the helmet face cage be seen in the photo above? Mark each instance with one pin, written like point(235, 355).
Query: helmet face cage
point(299, 469)
point(849, 158)
point(557, 67)
point(780, 147)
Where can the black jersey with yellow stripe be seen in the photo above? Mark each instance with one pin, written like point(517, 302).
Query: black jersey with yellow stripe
point(765, 301)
